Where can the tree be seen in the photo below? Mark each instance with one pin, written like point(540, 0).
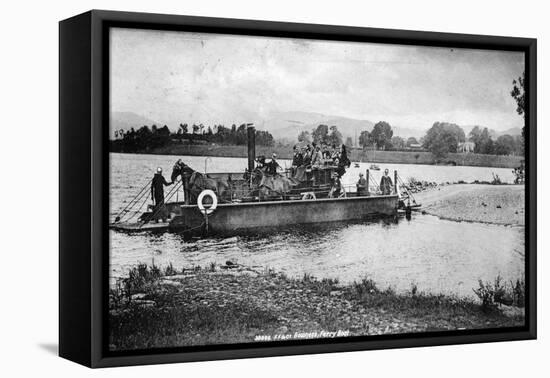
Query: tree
point(397, 142)
point(164, 131)
point(320, 134)
point(482, 140)
point(264, 138)
point(349, 142)
point(364, 139)
point(304, 136)
point(381, 134)
point(518, 145)
point(241, 135)
point(411, 140)
point(443, 138)
point(335, 137)
point(505, 145)
point(183, 128)
point(489, 147)
point(518, 93)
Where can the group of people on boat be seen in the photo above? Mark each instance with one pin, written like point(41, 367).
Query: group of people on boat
point(318, 155)
point(310, 160)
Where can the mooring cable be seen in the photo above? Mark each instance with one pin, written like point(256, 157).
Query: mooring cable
point(132, 203)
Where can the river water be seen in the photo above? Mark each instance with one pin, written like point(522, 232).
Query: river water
point(437, 256)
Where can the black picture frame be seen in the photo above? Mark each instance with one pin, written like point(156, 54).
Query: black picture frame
point(83, 196)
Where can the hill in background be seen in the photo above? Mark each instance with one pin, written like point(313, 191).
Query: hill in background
point(287, 125)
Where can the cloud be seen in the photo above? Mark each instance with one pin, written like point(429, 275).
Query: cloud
point(188, 77)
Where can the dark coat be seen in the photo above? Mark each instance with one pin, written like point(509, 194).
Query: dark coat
point(386, 185)
point(361, 186)
point(157, 188)
point(272, 167)
point(298, 159)
point(344, 159)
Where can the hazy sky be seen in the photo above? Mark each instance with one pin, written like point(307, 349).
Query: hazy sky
point(174, 77)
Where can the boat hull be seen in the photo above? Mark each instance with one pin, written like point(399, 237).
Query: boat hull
point(239, 217)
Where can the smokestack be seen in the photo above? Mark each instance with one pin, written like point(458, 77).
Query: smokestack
point(251, 130)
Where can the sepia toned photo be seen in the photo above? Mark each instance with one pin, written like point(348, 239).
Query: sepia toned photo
point(268, 189)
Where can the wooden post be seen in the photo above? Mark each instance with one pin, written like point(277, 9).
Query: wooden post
point(395, 182)
point(251, 132)
point(368, 182)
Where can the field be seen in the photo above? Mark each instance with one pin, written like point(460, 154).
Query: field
point(396, 157)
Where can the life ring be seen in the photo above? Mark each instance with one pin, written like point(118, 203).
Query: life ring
point(212, 195)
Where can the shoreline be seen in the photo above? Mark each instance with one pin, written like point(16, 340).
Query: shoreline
point(502, 205)
point(355, 155)
point(236, 304)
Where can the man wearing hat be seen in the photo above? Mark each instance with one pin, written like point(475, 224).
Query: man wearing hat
point(157, 188)
point(361, 186)
point(273, 165)
point(386, 183)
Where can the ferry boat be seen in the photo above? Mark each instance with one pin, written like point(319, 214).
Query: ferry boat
point(232, 203)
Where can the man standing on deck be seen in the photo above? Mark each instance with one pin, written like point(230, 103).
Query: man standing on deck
point(361, 186)
point(316, 161)
point(297, 160)
point(157, 191)
point(386, 183)
point(336, 189)
point(273, 165)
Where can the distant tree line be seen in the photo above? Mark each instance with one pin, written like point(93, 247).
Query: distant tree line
point(441, 139)
point(380, 137)
point(444, 138)
point(146, 138)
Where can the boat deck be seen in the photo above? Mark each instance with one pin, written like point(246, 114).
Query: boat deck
point(140, 227)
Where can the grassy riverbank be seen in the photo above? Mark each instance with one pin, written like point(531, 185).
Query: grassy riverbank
point(234, 304)
point(391, 157)
point(496, 204)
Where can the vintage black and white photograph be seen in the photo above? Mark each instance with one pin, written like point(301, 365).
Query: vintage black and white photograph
point(266, 189)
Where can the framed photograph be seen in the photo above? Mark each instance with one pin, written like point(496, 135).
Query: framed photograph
point(235, 188)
